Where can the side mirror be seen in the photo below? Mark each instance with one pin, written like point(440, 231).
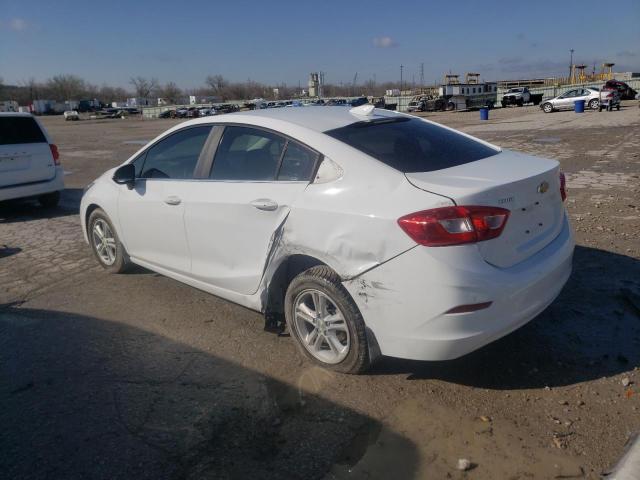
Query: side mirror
point(125, 175)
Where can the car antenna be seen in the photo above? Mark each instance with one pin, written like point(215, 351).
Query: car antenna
point(363, 110)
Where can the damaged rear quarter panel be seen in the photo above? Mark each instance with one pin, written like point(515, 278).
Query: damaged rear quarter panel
point(350, 224)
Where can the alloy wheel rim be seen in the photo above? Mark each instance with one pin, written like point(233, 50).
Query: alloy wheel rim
point(321, 326)
point(104, 242)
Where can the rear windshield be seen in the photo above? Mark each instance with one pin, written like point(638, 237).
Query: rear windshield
point(14, 130)
point(411, 145)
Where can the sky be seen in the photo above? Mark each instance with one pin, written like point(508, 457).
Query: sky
point(275, 42)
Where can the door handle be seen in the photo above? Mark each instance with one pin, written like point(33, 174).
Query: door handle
point(265, 204)
point(173, 200)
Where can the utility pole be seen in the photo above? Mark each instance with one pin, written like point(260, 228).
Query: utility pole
point(571, 62)
point(401, 68)
point(422, 75)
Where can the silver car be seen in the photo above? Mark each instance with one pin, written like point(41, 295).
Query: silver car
point(565, 101)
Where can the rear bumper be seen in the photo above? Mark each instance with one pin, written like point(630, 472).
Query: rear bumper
point(35, 189)
point(403, 302)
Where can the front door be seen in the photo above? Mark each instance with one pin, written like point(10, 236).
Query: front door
point(233, 219)
point(152, 213)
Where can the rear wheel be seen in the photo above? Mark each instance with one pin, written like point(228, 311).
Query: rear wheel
point(105, 243)
point(593, 104)
point(547, 108)
point(49, 200)
point(325, 322)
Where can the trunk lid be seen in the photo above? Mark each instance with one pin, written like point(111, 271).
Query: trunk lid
point(527, 186)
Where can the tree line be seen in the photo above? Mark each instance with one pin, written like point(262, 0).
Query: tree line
point(72, 87)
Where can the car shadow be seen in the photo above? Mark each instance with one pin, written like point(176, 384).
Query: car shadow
point(6, 251)
point(82, 397)
point(20, 210)
point(592, 330)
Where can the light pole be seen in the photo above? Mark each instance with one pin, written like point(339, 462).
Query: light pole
point(401, 67)
point(571, 62)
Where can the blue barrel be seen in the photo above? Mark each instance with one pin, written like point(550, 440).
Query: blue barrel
point(578, 106)
point(484, 113)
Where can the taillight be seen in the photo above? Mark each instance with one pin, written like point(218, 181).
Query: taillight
point(54, 152)
point(563, 186)
point(439, 227)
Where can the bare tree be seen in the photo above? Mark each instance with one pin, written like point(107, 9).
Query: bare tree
point(217, 83)
point(66, 87)
point(171, 92)
point(143, 87)
point(108, 94)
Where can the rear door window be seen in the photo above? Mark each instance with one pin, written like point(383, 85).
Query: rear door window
point(16, 130)
point(247, 154)
point(412, 145)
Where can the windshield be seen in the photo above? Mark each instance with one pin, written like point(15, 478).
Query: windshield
point(412, 145)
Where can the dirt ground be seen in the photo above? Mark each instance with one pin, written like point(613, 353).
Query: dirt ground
point(136, 375)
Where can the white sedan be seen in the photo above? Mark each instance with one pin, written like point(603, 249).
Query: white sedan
point(371, 232)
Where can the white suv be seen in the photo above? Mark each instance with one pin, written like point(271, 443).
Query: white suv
point(29, 162)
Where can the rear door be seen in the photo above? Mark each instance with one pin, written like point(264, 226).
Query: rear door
point(25, 155)
point(234, 218)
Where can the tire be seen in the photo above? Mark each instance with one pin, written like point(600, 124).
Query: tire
point(520, 102)
point(49, 200)
point(547, 108)
point(321, 286)
point(593, 104)
point(112, 257)
point(618, 107)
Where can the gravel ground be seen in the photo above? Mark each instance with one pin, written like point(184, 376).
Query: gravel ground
point(139, 376)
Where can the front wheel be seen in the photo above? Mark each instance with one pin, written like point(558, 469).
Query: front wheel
point(593, 104)
point(547, 108)
point(325, 322)
point(105, 243)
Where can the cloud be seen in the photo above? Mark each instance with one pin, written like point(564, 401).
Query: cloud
point(17, 24)
point(384, 42)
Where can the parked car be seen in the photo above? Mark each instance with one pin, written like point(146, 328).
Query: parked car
point(29, 161)
point(167, 114)
point(566, 100)
point(519, 96)
point(416, 106)
point(356, 102)
point(371, 232)
point(625, 91)
point(71, 115)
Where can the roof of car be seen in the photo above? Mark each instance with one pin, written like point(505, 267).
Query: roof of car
point(15, 114)
point(316, 118)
